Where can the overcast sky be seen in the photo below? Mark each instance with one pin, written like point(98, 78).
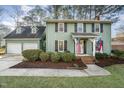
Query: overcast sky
point(8, 21)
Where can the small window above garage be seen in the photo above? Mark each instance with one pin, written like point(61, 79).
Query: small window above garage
point(18, 30)
point(34, 29)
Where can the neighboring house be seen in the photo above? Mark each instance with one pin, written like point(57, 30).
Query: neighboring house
point(118, 42)
point(82, 37)
point(25, 37)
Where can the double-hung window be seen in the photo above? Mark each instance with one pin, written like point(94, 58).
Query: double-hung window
point(61, 27)
point(80, 27)
point(60, 45)
point(97, 28)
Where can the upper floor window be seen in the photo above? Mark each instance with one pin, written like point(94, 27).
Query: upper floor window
point(61, 27)
point(97, 28)
point(80, 27)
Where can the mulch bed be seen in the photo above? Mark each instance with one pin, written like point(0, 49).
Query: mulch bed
point(58, 65)
point(103, 62)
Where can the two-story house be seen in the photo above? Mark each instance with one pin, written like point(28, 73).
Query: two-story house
point(82, 37)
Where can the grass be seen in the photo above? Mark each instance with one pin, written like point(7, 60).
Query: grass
point(114, 80)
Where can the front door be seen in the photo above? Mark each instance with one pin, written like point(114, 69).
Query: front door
point(79, 47)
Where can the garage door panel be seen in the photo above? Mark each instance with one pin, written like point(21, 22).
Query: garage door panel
point(14, 48)
point(30, 46)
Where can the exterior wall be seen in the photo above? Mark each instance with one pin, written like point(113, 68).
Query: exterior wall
point(51, 36)
point(89, 28)
point(106, 37)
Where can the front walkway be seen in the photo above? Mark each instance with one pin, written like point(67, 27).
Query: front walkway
point(8, 61)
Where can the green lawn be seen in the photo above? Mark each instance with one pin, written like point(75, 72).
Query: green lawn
point(115, 80)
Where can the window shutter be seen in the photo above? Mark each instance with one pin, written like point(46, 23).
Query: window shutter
point(92, 27)
point(85, 47)
point(101, 28)
point(56, 27)
point(56, 45)
point(65, 27)
point(84, 27)
point(65, 45)
point(75, 27)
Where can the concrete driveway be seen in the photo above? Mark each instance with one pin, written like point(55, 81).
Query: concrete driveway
point(9, 60)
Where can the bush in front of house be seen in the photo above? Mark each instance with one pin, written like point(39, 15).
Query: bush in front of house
point(66, 57)
point(55, 57)
point(101, 55)
point(118, 53)
point(44, 56)
point(50, 53)
point(31, 54)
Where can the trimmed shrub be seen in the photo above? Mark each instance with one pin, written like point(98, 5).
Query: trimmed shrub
point(101, 55)
point(118, 53)
point(44, 56)
point(55, 57)
point(73, 56)
point(31, 54)
point(50, 53)
point(66, 57)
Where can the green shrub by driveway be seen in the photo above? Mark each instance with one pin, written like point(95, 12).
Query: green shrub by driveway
point(31, 54)
point(44, 56)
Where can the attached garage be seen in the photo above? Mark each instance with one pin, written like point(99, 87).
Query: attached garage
point(17, 41)
point(17, 48)
point(30, 46)
point(14, 48)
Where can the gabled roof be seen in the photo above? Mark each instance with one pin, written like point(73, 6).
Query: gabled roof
point(26, 33)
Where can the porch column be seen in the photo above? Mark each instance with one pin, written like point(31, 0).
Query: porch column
point(94, 47)
point(75, 41)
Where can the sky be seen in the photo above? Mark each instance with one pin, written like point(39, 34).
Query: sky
point(7, 20)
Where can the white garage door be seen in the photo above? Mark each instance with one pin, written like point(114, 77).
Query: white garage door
point(14, 48)
point(30, 46)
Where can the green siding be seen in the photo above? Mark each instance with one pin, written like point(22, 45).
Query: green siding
point(52, 36)
point(106, 37)
point(89, 28)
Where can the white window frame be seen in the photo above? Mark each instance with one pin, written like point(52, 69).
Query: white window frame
point(18, 30)
point(34, 30)
point(63, 46)
point(59, 27)
point(82, 28)
point(95, 28)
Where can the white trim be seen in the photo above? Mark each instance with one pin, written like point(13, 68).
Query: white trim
point(63, 46)
point(59, 26)
point(23, 39)
point(82, 27)
point(84, 36)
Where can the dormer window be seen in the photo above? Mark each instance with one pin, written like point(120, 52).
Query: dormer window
point(34, 29)
point(18, 30)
